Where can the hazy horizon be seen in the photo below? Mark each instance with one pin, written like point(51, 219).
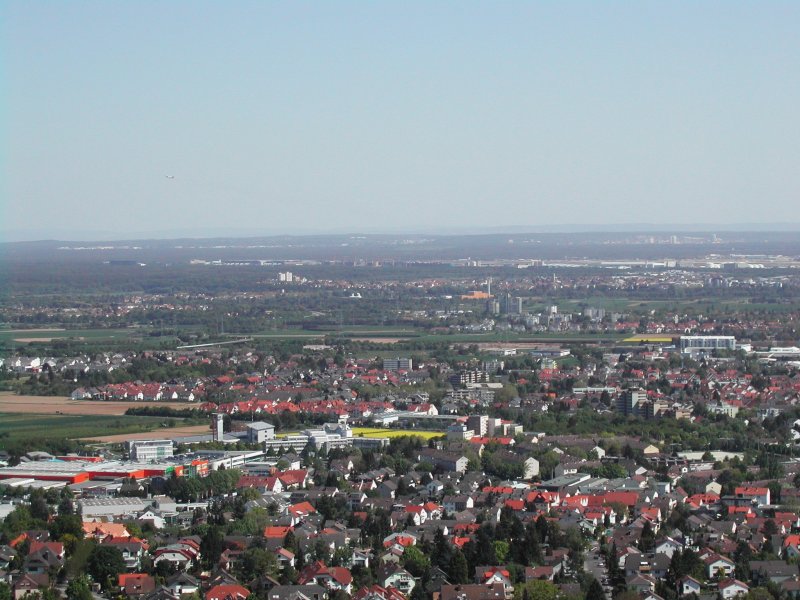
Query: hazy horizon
point(123, 119)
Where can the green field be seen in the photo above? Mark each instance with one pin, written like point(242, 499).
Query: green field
point(22, 427)
point(375, 331)
point(9, 335)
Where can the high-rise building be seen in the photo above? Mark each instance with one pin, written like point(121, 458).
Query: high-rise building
point(631, 402)
point(398, 364)
point(478, 424)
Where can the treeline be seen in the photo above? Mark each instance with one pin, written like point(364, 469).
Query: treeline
point(166, 411)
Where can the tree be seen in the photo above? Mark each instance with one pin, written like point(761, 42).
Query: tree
point(39, 508)
point(18, 521)
point(415, 561)
point(442, 551)
point(501, 549)
point(647, 539)
point(105, 564)
point(257, 561)
point(212, 545)
point(418, 593)
point(79, 589)
point(290, 543)
point(536, 590)
point(595, 591)
point(66, 524)
point(458, 571)
point(65, 506)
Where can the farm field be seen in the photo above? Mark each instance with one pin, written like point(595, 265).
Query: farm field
point(50, 334)
point(23, 427)
point(163, 433)
point(55, 405)
point(379, 340)
point(372, 432)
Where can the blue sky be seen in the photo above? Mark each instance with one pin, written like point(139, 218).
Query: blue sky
point(377, 116)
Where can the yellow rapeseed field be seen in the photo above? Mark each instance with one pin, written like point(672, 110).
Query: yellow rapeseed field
point(370, 432)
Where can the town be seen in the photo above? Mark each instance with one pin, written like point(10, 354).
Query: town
point(419, 436)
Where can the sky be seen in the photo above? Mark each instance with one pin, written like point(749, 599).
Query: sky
point(124, 120)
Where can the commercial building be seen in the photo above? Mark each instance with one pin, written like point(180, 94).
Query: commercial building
point(705, 344)
point(149, 450)
point(331, 435)
point(259, 432)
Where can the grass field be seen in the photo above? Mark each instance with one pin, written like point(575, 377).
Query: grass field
point(17, 427)
point(370, 432)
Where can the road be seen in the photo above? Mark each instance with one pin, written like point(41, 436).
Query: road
point(595, 563)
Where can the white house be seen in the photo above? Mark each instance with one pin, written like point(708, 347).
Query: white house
point(730, 588)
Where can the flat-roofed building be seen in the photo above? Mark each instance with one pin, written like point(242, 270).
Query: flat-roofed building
point(703, 344)
point(149, 450)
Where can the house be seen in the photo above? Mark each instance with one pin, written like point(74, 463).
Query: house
point(453, 504)
point(377, 592)
point(544, 572)
point(402, 539)
point(387, 489)
point(397, 577)
point(717, 564)
point(641, 583)
point(298, 592)
point(133, 585)
point(756, 495)
point(435, 488)
point(689, 585)
point(276, 532)
point(668, 546)
point(446, 461)
point(179, 555)
point(331, 578)
point(227, 592)
point(474, 591)
point(7, 554)
point(730, 588)
point(776, 571)
point(29, 583)
point(285, 558)
point(360, 558)
point(133, 550)
point(300, 511)
point(182, 584)
point(44, 557)
point(791, 588)
point(100, 530)
point(492, 575)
